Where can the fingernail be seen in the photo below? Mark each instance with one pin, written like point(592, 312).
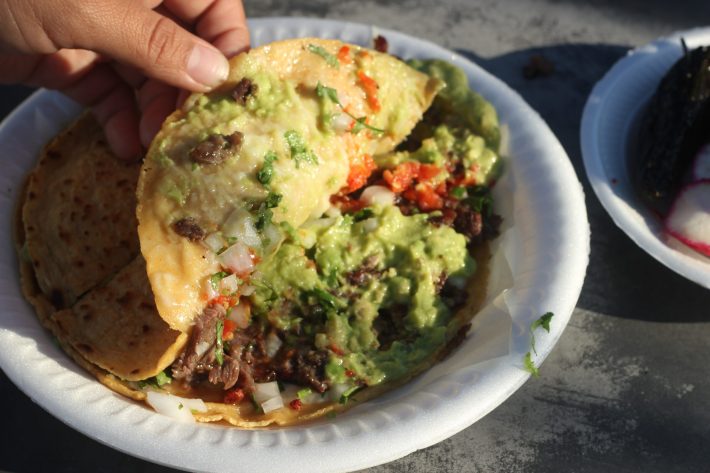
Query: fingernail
point(207, 66)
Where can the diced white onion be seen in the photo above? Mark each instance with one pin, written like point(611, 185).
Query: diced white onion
point(214, 241)
point(272, 404)
point(307, 237)
point(341, 122)
point(173, 406)
point(210, 290)
point(240, 225)
point(370, 225)
point(272, 344)
point(265, 391)
point(237, 258)
point(272, 238)
point(247, 290)
point(333, 211)
point(377, 195)
point(202, 348)
point(240, 314)
point(229, 285)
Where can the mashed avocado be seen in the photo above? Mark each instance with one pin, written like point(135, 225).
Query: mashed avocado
point(354, 283)
point(460, 126)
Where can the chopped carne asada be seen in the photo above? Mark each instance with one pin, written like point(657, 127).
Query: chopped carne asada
point(216, 148)
point(189, 228)
point(244, 89)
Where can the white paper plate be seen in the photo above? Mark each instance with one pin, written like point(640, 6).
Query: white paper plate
point(608, 121)
point(549, 255)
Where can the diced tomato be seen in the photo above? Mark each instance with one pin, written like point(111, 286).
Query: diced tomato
point(370, 87)
point(349, 373)
point(361, 168)
point(229, 327)
point(428, 171)
point(226, 301)
point(427, 199)
point(344, 55)
point(402, 176)
point(410, 194)
point(442, 188)
point(234, 396)
point(254, 257)
point(346, 204)
point(336, 349)
point(296, 404)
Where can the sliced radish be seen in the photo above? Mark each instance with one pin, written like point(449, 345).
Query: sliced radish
point(701, 165)
point(689, 218)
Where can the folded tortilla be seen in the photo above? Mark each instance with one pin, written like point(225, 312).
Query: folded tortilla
point(287, 74)
point(126, 316)
point(80, 264)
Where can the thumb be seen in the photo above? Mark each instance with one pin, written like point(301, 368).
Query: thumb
point(134, 35)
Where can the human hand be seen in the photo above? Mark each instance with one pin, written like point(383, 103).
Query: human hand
point(125, 59)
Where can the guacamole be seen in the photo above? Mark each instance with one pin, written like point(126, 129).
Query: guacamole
point(355, 282)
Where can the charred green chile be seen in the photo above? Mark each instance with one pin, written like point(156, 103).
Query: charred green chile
point(674, 127)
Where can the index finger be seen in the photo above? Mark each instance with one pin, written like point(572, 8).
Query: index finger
point(220, 22)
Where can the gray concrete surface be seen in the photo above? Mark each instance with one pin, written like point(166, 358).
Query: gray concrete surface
point(626, 389)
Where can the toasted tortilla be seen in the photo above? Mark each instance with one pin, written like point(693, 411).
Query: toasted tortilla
point(80, 264)
point(172, 187)
point(78, 222)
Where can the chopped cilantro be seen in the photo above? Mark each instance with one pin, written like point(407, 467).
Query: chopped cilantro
point(345, 397)
point(530, 366)
point(158, 381)
point(332, 94)
point(273, 200)
point(180, 406)
point(264, 214)
point(544, 322)
point(326, 299)
point(216, 278)
point(263, 217)
point(360, 124)
point(324, 92)
point(266, 173)
point(329, 58)
point(458, 192)
point(163, 378)
point(304, 393)
point(480, 200)
point(219, 345)
point(231, 240)
point(363, 214)
point(299, 151)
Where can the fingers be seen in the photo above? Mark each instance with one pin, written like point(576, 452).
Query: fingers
point(221, 22)
point(156, 101)
point(132, 34)
point(113, 103)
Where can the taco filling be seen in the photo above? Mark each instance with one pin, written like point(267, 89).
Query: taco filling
point(312, 233)
point(362, 290)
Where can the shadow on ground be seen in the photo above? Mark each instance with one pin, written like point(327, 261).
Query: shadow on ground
point(622, 280)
